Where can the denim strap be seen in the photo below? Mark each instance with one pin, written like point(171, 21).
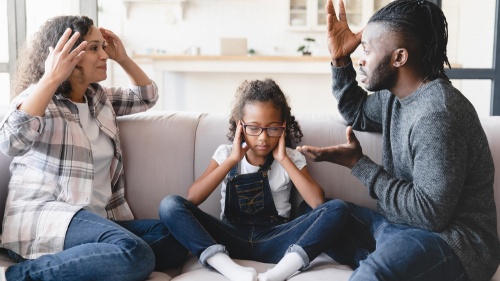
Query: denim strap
point(267, 165)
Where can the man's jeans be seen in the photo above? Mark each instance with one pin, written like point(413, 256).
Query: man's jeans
point(96, 248)
point(205, 235)
point(379, 250)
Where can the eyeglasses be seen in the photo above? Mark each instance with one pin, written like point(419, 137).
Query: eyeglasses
point(253, 130)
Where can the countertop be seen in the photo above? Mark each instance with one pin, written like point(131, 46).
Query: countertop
point(231, 58)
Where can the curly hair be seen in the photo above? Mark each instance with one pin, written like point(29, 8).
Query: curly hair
point(31, 60)
point(421, 21)
point(264, 91)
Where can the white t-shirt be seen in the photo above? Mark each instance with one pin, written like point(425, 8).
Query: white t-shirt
point(102, 154)
point(279, 180)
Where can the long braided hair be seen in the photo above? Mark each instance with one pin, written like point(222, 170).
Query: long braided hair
point(421, 21)
point(264, 91)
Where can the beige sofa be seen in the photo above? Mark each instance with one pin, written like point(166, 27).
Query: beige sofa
point(165, 151)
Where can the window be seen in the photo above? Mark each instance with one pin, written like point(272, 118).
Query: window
point(473, 41)
point(34, 19)
point(20, 19)
point(462, 51)
point(4, 57)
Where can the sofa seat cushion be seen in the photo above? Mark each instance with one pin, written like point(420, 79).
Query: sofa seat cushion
point(321, 268)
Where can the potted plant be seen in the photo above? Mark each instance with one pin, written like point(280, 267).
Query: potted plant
point(306, 48)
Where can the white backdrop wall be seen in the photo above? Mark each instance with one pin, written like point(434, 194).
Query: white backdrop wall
point(151, 26)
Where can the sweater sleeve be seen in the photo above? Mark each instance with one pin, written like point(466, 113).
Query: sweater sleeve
point(439, 154)
point(361, 110)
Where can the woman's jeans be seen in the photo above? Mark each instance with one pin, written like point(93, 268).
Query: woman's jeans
point(205, 235)
point(96, 248)
point(379, 250)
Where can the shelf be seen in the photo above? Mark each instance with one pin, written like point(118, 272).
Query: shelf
point(176, 5)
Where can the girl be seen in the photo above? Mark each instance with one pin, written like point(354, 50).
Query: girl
point(257, 172)
point(66, 217)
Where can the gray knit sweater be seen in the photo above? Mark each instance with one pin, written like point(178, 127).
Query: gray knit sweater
point(437, 171)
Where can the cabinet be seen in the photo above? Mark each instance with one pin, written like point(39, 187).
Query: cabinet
point(307, 15)
point(310, 15)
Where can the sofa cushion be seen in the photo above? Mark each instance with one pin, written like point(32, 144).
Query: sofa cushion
point(157, 146)
point(321, 268)
point(329, 129)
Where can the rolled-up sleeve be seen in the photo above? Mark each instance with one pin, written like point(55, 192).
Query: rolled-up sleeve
point(18, 131)
point(133, 99)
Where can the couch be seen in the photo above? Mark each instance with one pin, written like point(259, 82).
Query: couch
point(165, 151)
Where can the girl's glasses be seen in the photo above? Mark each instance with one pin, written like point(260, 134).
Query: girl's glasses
point(253, 130)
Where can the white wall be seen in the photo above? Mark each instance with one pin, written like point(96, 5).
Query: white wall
point(152, 26)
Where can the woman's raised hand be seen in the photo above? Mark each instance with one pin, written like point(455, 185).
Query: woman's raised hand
point(61, 60)
point(115, 49)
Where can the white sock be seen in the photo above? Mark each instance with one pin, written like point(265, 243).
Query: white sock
point(231, 270)
point(2, 273)
point(287, 266)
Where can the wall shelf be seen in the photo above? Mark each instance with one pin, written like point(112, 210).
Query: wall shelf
point(177, 6)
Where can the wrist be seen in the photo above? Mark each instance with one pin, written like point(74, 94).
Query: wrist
point(124, 62)
point(232, 161)
point(283, 160)
point(356, 161)
point(49, 80)
point(341, 62)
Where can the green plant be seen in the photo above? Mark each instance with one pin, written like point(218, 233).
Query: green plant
point(306, 48)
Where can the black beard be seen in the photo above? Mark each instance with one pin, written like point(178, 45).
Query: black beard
point(383, 77)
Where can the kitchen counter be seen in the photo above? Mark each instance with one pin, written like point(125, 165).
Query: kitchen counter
point(240, 64)
point(231, 58)
point(197, 82)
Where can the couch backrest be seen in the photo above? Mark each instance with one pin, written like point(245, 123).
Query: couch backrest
point(491, 126)
point(158, 153)
point(165, 151)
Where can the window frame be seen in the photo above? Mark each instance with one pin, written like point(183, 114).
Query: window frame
point(492, 74)
point(16, 26)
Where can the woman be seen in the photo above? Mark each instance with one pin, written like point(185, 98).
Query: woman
point(66, 216)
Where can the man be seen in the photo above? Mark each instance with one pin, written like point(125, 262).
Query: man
point(435, 217)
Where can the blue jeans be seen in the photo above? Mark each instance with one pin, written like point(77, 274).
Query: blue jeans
point(205, 235)
point(96, 248)
point(379, 250)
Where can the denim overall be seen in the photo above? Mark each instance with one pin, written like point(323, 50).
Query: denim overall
point(251, 227)
point(249, 199)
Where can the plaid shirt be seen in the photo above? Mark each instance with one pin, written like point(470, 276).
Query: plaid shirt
point(52, 171)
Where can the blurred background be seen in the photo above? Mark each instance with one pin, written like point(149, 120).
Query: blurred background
point(199, 51)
